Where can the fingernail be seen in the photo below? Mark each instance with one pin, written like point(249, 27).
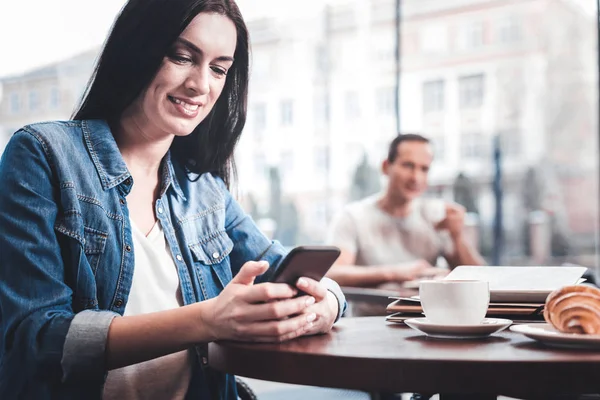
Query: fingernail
point(310, 301)
point(263, 263)
point(311, 317)
point(309, 325)
point(302, 282)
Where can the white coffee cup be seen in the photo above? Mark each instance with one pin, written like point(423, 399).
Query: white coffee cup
point(434, 210)
point(448, 302)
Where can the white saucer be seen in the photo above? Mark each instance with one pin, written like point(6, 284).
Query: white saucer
point(548, 335)
point(482, 330)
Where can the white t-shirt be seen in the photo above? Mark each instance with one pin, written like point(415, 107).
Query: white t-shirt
point(378, 238)
point(155, 287)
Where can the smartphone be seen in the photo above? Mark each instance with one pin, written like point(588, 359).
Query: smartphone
point(309, 261)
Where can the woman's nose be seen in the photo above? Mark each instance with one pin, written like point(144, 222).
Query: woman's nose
point(198, 81)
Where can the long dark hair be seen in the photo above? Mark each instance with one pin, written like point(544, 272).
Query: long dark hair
point(133, 53)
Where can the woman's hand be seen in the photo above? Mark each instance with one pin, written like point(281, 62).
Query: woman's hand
point(325, 307)
point(266, 312)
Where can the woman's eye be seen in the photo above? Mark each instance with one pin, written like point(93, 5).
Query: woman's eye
point(219, 71)
point(181, 59)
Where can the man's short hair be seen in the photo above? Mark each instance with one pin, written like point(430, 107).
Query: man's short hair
point(406, 137)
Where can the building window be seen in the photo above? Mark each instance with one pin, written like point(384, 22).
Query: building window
point(509, 30)
point(385, 101)
point(34, 100)
point(15, 103)
point(433, 96)
point(322, 160)
point(321, 106)
point(471, 91)
point(510, 143)
point(352, 105)
point(260, 165)
point(287, 112)
point(473, 35)
point(259, 117)
point(475, 146)
point(287, 163)
point(321, 59)
point(54, 98)
point(439, 148)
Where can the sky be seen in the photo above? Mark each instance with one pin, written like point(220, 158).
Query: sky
point(34, 33)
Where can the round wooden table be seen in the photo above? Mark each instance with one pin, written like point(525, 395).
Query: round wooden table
point(372, 355)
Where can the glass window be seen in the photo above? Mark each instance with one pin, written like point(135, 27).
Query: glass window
point(433, 96)
point(474, 146)
point(508, 29)
point(259, 116)
point(471, 91)
point(352, 105)
point(321, 107)
point(34, 100)
point(287, 112)
point(385, 101)
point(473, 35)
point(54, 98)
point(15, 103)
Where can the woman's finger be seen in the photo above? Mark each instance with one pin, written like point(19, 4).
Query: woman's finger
point(264, 292)
point(275, 330)
point(278, 309)
point(312, 287)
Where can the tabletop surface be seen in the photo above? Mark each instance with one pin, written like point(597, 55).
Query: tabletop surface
point(371, 354)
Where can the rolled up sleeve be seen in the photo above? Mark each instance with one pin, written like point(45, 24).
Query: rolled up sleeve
point(85, 344)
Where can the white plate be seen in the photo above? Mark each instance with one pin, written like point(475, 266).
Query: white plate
point(546, 334)
point(485, 329)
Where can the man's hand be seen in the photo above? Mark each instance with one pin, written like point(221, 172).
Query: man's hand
point(414, 270)
point(454, 221)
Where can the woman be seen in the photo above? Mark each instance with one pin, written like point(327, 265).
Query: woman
point(123, 253)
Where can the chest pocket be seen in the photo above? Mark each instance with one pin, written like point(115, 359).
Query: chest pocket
point(214, 252)
point(93, 246)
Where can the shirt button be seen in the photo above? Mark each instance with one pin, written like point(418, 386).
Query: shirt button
point(128, 248)
point(215, 254)
point(204, 360)
point(160, 210)
point(178, 257)
point(118, 303)
point(128, 181)
point(122, 201)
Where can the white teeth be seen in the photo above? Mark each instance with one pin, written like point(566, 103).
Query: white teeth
point(189, 107)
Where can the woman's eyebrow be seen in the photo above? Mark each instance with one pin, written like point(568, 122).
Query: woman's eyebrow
point(196, 49)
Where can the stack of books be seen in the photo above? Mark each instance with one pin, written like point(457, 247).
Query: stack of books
point(516, 293)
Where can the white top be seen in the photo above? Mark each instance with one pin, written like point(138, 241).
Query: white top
point(155, 287)
point(378, 238)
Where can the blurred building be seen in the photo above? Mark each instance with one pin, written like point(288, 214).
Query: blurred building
point(323, 87)
point(43, 94)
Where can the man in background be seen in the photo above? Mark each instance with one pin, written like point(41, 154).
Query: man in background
point(397, 235)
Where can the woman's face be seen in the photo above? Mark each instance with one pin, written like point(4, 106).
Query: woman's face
point(190, 79)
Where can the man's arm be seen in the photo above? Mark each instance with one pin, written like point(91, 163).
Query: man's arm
point(346, 273)
point(463, 254)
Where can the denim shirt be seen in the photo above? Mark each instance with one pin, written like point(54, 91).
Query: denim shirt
point(67, 258)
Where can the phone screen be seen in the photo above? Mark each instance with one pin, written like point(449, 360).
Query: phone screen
point(308, 261)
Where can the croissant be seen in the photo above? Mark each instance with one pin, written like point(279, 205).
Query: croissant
point(574, 309)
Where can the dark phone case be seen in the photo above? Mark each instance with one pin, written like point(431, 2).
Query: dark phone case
point(309, 261)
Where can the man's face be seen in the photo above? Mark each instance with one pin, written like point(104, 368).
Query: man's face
point(408, 173)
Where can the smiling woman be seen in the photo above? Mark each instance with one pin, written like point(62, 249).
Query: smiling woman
point(126, 253)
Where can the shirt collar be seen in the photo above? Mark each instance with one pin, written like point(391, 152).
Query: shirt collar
point(109, 162)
